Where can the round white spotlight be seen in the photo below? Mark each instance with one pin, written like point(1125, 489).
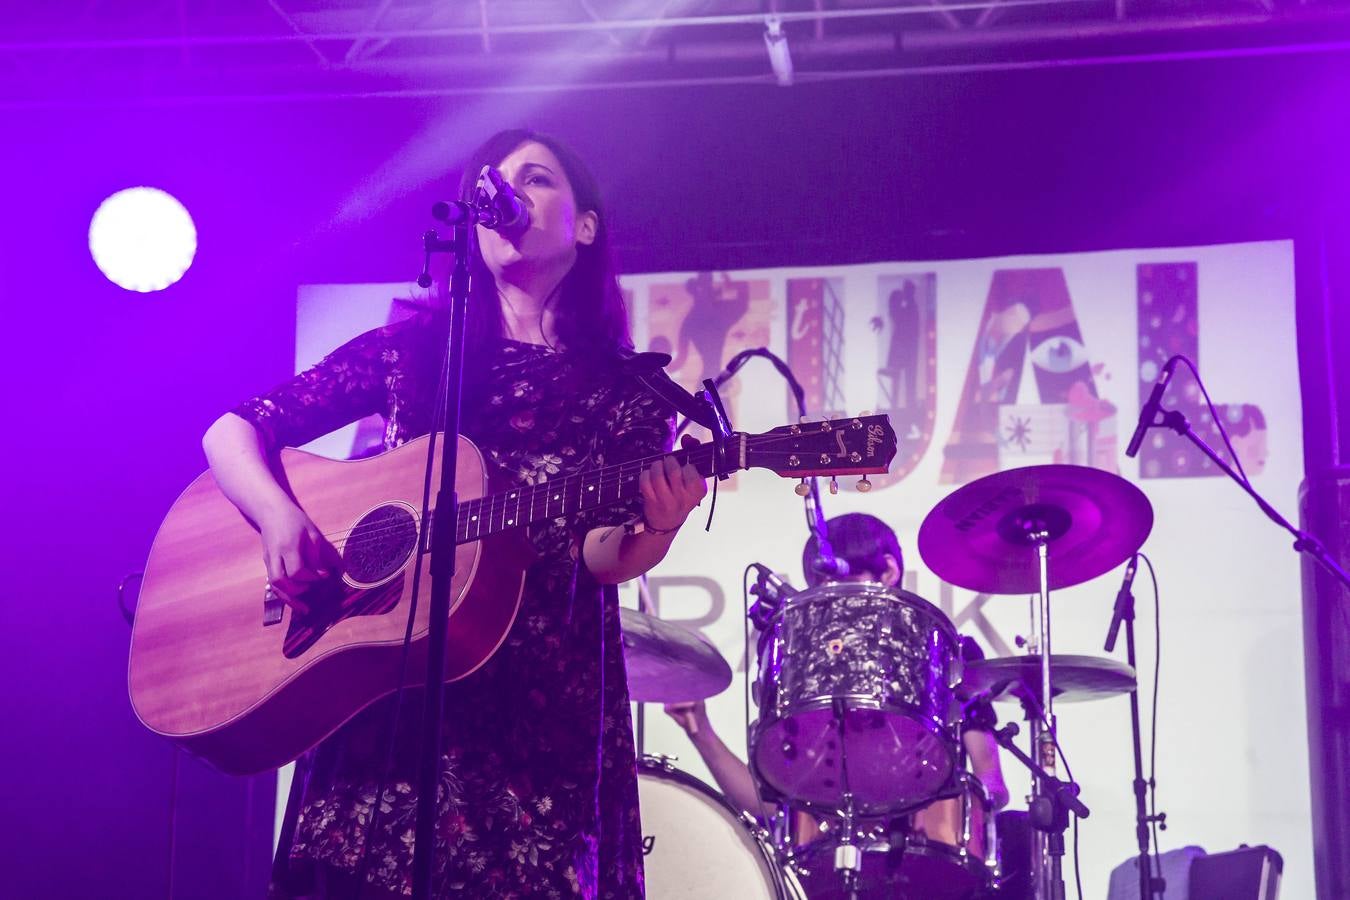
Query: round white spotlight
point(142, 239)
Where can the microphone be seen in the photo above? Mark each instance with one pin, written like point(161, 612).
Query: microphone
point(1122, 602)
point(495, 206)
point(496, 194)
point(830, 566)
point(1151, 407)
point(771, 591)
point(780, 588)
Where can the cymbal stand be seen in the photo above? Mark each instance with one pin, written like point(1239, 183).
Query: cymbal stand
point(1045, 869)
point(645, 605)
point(1047, 845)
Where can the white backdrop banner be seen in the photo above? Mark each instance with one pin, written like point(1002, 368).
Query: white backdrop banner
point(991, 364)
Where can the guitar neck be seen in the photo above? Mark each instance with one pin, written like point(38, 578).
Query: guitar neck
point(566, 496)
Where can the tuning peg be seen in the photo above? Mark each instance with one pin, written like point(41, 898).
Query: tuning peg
point(834, 485)
point(802, 488)
point(863, 485)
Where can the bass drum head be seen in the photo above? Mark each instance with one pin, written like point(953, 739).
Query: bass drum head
point(695, 846)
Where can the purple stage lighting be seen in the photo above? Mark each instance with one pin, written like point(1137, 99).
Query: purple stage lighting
point(142, 239)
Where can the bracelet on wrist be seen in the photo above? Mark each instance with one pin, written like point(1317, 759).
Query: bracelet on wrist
point(649, 528)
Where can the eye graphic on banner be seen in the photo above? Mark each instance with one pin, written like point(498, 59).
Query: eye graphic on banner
point(1169, 323)
point(1029, 314)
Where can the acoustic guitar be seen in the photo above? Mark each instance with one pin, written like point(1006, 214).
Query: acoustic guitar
point(248, 683)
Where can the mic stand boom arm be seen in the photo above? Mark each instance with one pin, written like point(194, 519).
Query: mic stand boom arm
point(1054, 799)
point(1303, 542)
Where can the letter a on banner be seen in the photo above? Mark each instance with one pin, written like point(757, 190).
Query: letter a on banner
point(1029, 315)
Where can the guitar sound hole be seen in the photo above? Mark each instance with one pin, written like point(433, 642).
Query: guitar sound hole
point(380, 544)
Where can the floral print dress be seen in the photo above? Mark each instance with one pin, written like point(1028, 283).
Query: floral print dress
point(538, 790)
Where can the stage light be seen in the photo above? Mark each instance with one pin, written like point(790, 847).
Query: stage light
point(780, 57)
point(142, 239)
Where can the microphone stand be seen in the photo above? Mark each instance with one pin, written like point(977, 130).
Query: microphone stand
point(442, 548)
point(1148, 885)
point(1303, 542)
point(1054, 799)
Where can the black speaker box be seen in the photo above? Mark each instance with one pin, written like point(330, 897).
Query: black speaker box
point(1248, 873)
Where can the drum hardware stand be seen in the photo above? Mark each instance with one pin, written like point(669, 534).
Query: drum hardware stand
point(847, 856)
point(1052, 801)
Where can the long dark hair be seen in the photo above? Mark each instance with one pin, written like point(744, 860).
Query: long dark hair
point(590, 318)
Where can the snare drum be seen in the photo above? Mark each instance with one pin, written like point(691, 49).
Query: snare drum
point(856, 682)
point(696, 846)
point(950, 852)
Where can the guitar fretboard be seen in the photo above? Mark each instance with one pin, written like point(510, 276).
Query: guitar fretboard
point(566, 496)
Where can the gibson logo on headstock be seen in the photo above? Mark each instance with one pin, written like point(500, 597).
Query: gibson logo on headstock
point(875, 435)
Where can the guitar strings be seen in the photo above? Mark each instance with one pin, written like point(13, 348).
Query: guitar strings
point(606, 477)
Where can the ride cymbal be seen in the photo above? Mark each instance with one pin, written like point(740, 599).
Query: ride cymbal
point(982, 536)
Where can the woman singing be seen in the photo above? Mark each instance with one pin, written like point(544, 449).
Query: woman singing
point(538, 792)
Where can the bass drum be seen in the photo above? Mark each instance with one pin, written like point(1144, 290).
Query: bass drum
point(695, 846)
point(950, 852)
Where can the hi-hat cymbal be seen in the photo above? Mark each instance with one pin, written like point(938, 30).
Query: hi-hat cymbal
point(1073, 679)
point(668, 663)
point(981, 536)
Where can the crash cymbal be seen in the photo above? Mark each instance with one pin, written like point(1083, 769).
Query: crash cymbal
point(1073, 679)
point(668, 663)
point(980, 536)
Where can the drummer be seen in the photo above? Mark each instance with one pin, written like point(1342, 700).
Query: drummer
point(872, 552)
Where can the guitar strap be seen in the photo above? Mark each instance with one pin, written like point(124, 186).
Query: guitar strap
point(648, 369)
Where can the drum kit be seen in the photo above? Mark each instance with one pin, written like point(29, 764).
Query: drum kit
point(863, 693)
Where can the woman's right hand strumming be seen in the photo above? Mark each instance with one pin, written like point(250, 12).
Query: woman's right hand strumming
point(295, 552)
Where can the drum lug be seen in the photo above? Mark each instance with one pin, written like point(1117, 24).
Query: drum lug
point(660, 760)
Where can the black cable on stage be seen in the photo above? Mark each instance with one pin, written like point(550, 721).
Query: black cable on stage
point(1153, 727)
point(1077, 868)
point(1214, 414)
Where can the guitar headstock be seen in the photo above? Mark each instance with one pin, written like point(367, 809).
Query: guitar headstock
point(862, 445)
